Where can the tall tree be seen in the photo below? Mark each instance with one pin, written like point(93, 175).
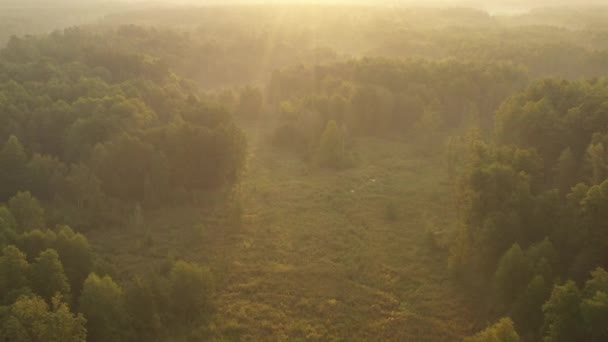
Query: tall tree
point(102, 304)
point(13, 168)
point(191, 287)
point(28, 212)
point(566, 171)
point(76, 256)
point(512, 275)
point(48, 277)
point(595, 316)
point(14, 270)
point(563, 321)
point(596, 162)
point(141, 305)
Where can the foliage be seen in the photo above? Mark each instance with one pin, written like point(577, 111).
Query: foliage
point(30, 319)
point(190, 287)
point(99, 128)
point(102, 303)
point(48, 277)
point(502, 331)
point(28, 213)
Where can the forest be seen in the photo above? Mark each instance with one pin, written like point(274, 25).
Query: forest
point(302, 172)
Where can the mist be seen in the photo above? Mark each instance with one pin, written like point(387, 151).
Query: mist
point(260, 170)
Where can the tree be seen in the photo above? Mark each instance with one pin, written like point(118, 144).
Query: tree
point(34, 242)
point(594, 307)
point(512, 275)
point(30, 320)
point(13, 168)
point(76, 257)
point(596, 162)
point(563, 321)
point(47, 176)
point(595, 316)
point(142, 307)
point(14, 270)
point(497, 200)
point(543, 258)
point(203, 159)
point(138, 162)
point(597, 283)
point(102, 304)
point(502, 331)
point(48, 277)
point(83, 187)
point(527, 311)
point(7, 220)
point(27, 211)
point(7, 226)
point(566, 171)
point(190, 291)
point(83, 191)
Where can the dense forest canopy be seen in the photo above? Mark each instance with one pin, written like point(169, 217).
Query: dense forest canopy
point(299, 171)
point(284, 36)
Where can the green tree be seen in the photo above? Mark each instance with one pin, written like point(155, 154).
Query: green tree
point(566, 171)
point(543, 259)
point(563, 321)
point(138, 162)
point(595, 316)
point(48, 277)
point(142, 307)
point(13, 168)
point(47, 176)
point(597, 283)
point(27, 211)
point(14, 270)
point(83, 192)
point(102, 304)
point(30, 320)
point(83, 188)
point(7, 226)
point(76, 256)
point(594, 307)
point(527, 310)
point(502, 331)
point(34, 242)
point(7, 220)
point(596, 162)
point(190, 291)
point(512, 275)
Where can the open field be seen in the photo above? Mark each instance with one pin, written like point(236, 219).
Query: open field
point(319, 255)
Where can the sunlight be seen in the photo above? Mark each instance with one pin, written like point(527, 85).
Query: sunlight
point(293, 170)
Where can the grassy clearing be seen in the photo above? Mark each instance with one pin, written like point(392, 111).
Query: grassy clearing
point(321, 255)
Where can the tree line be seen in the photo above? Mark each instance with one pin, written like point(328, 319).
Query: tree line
point(531, 205)
point(73, 108)
point(92, 132)
point(53, 288)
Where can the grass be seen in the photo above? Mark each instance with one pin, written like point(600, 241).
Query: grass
point(320, 255)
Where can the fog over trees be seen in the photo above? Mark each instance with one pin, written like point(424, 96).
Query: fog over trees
point(303, 171)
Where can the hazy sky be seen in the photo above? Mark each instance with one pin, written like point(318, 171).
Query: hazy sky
point(476, 3)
